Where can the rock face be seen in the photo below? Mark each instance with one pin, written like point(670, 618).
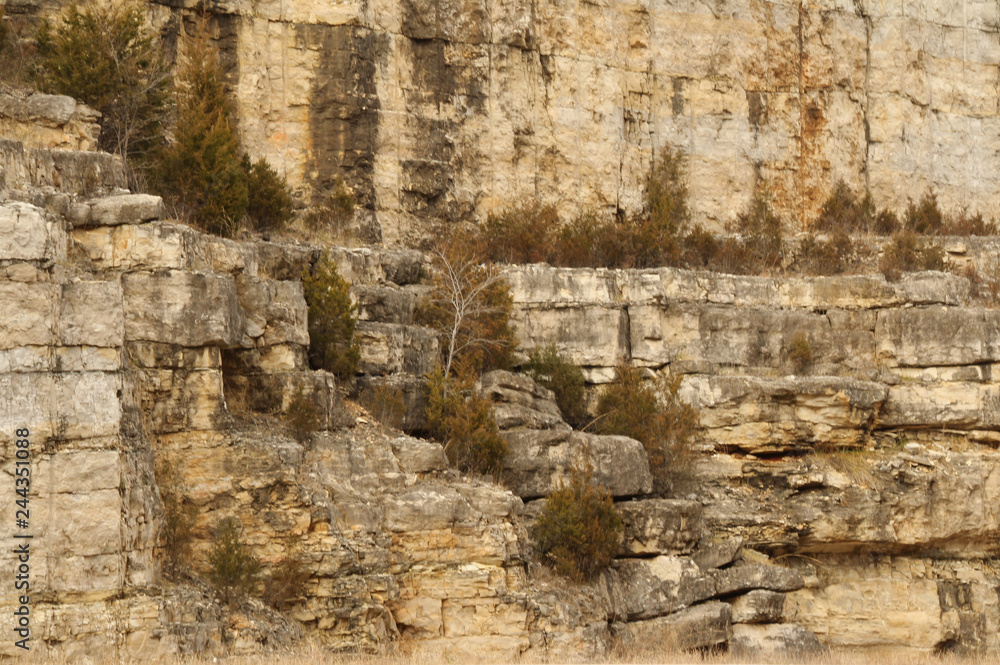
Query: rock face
point(431, 110)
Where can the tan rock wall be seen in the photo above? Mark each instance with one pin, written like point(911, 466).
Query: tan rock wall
point(436, 110)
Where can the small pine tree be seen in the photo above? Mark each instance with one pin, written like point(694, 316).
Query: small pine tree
point(464, 422)
point(579, 530)
point(104, 55)
point(562, 377)
point(233, 568)
point(201, 172)
point(332, 343)
point(269, 203)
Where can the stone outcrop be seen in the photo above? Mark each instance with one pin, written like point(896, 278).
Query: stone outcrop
point(432, 111)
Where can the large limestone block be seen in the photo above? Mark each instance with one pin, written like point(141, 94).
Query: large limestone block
point(759, 606)
point(744, 577)
point(538, 461)
point(385, 303)
point(959, 405)
point(92, 314)
point(660, 526)
point(418, 456)
point(117, 210)
point(520, 402)
point(277, 310)
point(29, 314)
point(156, 245)
point(389, 348)
point(28, 233)
point(183, 308)
point(700, 627)
point(80, 471)
point(49, 121)
point(661, 585)
point(928, 336)
point(772, 415)
point(63, 406)
point(774, 637)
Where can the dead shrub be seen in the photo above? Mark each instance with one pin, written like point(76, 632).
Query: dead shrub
point(830, 256)
point(470, 306)
point(521, 234)
point(983, 286)
point(578, 531)
point(907, 253)
point(302, 416)
point(800, 353)
point(179, 517)
point(652, 413)
point(386, 405)
point(925, 217)
point(285, 583)
point(563, 378)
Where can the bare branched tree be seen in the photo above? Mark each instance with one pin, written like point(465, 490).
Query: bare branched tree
point(470, 305)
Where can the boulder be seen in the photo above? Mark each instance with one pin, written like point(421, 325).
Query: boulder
point(759, 606)
point(700, 627)
point(660, 526)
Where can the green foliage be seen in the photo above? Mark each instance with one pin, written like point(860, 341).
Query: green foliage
point(462, 420)
point(800, 353)
point(302, 416)
point(233, 568)
point(179, 517)
point(667, 201)
point(285, 583)
point(332, 320)
point(562, 377)
point(103, 54)
point(578, 531)
point(653, 414)
point(201, 173)
point(269, 201)
point(470, 306)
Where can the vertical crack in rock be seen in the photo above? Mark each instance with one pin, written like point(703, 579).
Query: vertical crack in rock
point(866, 104)
point(802, 111)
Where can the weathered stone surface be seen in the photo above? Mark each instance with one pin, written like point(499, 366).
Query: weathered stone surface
point(118, 210)
point(48, 121)
point(418, 456)
point(662, 585)
point(28, 172)
point(276, 311)
point(78, 325)
point(660, 526)
point(519, 402)
point(759, 606)
point(384, 303)
point(713, 554)
point(748, 576)
point(770, 415)
point(774, 637)
point(184, 308)
point(28, 233)
point(390, 348)
point(700, 627)
point(928, 336)
point(30, 318)
point(539, 460)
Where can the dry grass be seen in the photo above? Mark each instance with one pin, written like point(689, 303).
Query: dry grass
point(316, 656)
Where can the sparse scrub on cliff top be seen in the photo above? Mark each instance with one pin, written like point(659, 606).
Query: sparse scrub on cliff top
point(106, 56)
point(653, 413)
point(578, 531)
point(907, 252)
point(332, 320)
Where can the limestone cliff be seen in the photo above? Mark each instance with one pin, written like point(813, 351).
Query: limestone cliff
point(848, 501)
point(438, 110)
